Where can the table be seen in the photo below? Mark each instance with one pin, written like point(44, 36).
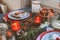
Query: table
point(31, 31)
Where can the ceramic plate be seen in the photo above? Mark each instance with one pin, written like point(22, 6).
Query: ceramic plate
point(26, 14)
point(48, 35)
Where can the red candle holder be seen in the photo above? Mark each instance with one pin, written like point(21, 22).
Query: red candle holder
point(37, 20)
point(15, 25)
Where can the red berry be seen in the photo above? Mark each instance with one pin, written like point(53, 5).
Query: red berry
point(24, 27)
point(57, 39)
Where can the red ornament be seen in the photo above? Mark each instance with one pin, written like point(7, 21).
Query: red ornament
point(15, 26)
point(9, 33)
point(37, 20)
point(57, 38)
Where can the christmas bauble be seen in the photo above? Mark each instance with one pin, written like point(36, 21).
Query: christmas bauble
point(9, 33)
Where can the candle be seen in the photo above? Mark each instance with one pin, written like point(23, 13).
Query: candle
point(15, 26)
point(37, 19)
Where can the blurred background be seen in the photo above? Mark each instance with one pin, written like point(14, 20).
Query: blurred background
point(18, 4)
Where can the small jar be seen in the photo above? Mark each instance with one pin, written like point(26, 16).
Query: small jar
point(36, 6)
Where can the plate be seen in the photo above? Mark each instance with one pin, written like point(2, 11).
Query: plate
point(47, 35)
point(25, 15)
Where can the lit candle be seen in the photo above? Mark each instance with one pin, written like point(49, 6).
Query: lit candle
point(37, 19)
point(15, 26)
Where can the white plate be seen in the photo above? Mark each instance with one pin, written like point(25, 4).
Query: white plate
point(47, 35)
point(26, 14)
